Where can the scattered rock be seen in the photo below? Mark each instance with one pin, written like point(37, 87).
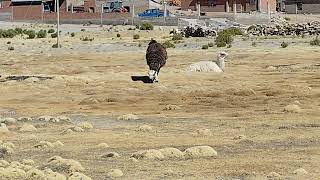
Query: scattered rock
point(44, 145)
point(240, 137)
point(172, 153)
point(274, 176)
point(132, 159)
point(148, 154)
point(28, 128)
point(12, 173)
point(32, 80)
point(200, 151)
point(67, 131)
point(29, 162)
point(4, 164)
point(16, 164)
point(293, 108)
point(85, 125)
point(114, 173)
point(127, 134)
point(300, 172)
point(171, 107)
point(3, 128)
point(54, 175)
point(25, 119)
point(272, 68)
point(145, 128)
point(111, 155)
point(58, 144)
point(128, 117)
point(64, 119)
point(241, 92)
point(59, 164)
point(103, 145)
point(202, 133)
point(78, 176)
point(35, 174)
point(6, 149)
point(9, 121)
point(74, 129)
point(88, 101)
point(48, 119)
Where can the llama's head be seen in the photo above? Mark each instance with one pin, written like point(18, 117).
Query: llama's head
point(222, 56)
point(152, 42)
point(221, 59)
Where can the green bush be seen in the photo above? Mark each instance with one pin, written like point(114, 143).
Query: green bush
point(205, 46)
point(9, 42)
point(118, 35)
point(146, 26)
point(73, 34)
point(284, 45)
point(254, 44)
point(233, 31)
point(18, 30)
point(86, 39)
point(136, 36)
point(315, 42)
point(287, 18)
point(177, 37)
point(42, 34)
point(229, 46)
point(54, 35)
point(210, 44)
point(221, 44)
point(31, 34)
point(56, 45)
point(168, 44)
point(50, 31)
point(10, 33)
point(139, 45)
point(225, 37)
point(10, 48)
point(83, 30)
point(252, 27)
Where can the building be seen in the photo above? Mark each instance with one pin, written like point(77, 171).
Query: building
point(302, 6)
point(227, 5)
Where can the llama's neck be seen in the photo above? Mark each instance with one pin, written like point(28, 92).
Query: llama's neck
point(221, 63)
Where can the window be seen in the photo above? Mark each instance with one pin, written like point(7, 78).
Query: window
point(299, 6)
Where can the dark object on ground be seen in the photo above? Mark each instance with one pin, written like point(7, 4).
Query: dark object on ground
point(22, 78)
point(198, 31)
point(144, 79)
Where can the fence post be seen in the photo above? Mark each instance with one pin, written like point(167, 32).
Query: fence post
point(101, 15)
point(165, 11)
point(227, 6)
point(198, 10)
point(133, 14)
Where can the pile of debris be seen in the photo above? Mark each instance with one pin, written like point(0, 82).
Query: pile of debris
point(197, 31)
point(312, 28)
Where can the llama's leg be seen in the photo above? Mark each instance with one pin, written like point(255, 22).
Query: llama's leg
point(157, 76)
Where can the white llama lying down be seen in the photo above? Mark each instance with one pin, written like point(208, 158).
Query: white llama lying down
point(210, 66)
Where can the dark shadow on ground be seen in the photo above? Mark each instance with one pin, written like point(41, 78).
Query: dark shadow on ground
point(144, 79)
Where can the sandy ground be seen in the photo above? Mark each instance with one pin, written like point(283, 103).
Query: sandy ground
point(91, 81)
